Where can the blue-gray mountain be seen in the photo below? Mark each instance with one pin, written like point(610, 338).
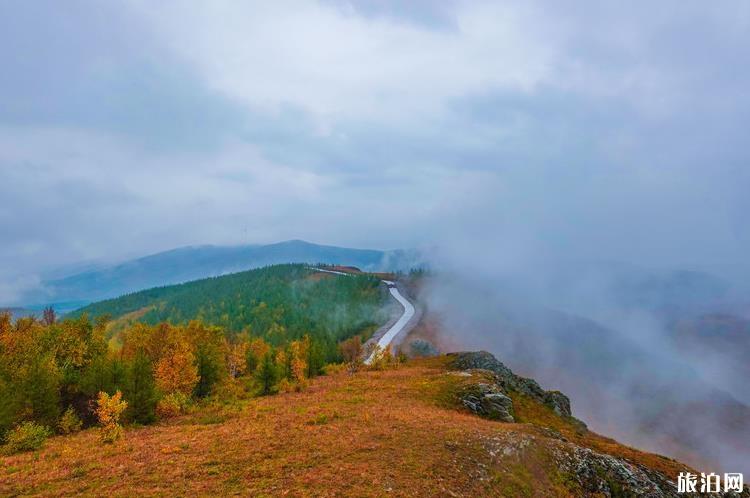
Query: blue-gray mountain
point(195, 262)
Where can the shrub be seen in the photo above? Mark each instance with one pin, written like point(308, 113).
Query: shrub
point(108, 411)
point(320, 419)
point(172, 405)
point(230, 392)
point(352, 351)
point(69, 422)
point(382, 359)
point(423, 348)
point(287, 386)
point(335, 368)
point(26, 436)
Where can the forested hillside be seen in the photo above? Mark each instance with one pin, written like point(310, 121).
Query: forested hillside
point(245, 334)
point(279, 303)
point(191, 263)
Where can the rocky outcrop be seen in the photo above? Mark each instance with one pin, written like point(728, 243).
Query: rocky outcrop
point(507, 380)
point(604, 475)
point(586, 472)
point(488, 401)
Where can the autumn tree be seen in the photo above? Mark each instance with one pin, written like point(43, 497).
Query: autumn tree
point(283, 364)
point(296, 356)
point(256, 351)
point(176, 370)
point(236, 357)
point(108, 412)
point(351, 350)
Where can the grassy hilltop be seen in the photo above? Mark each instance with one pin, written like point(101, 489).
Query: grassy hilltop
point(397, 432)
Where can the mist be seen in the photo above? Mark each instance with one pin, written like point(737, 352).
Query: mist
point(603, 333)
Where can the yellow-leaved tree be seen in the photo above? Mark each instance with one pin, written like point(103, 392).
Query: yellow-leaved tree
point(297, 361)
point(175, 372)
point(108, 411)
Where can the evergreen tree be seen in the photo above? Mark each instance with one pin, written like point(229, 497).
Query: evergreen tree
point(140, 390)
point(315, 357)
point(41, 391)
point(208, 365)
point(267, 374)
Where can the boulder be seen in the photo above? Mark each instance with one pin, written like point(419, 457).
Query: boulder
point(507, 380)
point(488, 401)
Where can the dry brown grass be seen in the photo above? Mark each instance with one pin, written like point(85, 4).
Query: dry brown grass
point(389, 433)
point(317, 276)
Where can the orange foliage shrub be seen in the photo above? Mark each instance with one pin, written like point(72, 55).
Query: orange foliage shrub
point(108, 411)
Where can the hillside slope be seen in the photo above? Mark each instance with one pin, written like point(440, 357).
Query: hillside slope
point(400, 432)
point(278, 303)
point(195, 262)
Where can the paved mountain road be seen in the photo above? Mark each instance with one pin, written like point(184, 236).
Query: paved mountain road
point(402, 325)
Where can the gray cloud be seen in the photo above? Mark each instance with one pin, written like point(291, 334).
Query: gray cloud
point(516, 128)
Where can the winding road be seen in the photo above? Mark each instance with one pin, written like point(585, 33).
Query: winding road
point(399, 326)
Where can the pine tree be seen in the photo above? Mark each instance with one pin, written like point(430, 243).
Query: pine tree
point(41, 391)
point(208, 368)
point(140, 390)
point(314, 357)
point(267, 374)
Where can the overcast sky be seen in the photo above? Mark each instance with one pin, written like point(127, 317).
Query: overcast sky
point(609, 130)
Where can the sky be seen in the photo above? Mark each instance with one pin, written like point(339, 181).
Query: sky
point(500, 131)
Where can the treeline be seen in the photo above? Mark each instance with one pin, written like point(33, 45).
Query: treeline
point(51, 373)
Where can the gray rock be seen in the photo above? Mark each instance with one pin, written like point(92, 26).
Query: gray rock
point(488, 401)
point(559, 402)
point(498, 407)
point(605, 475)
point(507, 380)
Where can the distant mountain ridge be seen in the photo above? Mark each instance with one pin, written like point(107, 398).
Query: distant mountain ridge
point(196, 262)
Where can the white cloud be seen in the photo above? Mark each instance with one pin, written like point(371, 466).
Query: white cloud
point(339, 65)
